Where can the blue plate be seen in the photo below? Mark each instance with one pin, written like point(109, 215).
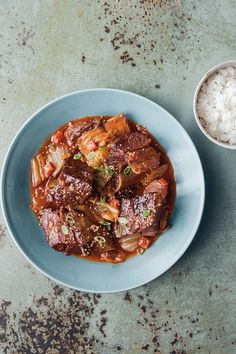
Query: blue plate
point(75, 272)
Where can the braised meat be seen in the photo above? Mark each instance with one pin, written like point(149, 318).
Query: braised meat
point(62, 235)
point(71, 233)
point(143, 160)
point(103, 188)
point(122, 181)
point(76, 130)
point(74, 184)
point(118, 156)
point(158, 186)
point(141, 214)
point(133, 141)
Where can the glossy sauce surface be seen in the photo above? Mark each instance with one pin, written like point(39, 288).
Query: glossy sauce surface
point(38, 193)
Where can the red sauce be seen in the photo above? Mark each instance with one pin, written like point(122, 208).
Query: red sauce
point(38, 192)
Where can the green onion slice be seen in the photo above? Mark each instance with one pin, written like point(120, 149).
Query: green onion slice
point(98, 168)
point(105, 223)
point(91, 155)
point(52, 148)
point(127, 171)
point(77, 157)
point(65, 229)
point(140, 251)
point(103, 147)
point(103, 199)
point(108, 170)
point(100, 239)
point(70, 219)
point(146, 213)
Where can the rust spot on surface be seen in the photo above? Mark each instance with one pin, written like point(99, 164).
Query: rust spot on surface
point(3, 236)
point(175, 340)
point(145, 347)
point(58, 290)
point(141, 32)
point(24, 38)
point(101, 326)
point(4, 318)
point(51, 324)
point(127, 297)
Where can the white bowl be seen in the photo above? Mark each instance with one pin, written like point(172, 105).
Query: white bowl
point(201, 82)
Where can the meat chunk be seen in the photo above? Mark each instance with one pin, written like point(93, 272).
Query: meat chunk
point(118, 125)
point(140, 214)
point(143, 160)
point(118, 156)
point(156, 173)
point(74, 184)
point(70, 232)
point(120, 182)
point(101, 178)
point(99, 210)
point(159, 187)
point(76, 130)
point(133, 141)
point(62, 235)
point(102, 241)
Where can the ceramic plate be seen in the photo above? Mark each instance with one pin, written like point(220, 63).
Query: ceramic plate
point(75, 272)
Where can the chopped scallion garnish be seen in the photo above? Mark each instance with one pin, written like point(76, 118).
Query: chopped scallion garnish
point(103, 199)
point(103, 147)
point(105, 223)
point(52, 148)
point(127, 171)
point(100, 239)
point(98, 168)
point(70, 219)
point(91, 155)
point(140, 251)
point(65, 229)
point(77, 157)
point(108, 170)
point(146, 213)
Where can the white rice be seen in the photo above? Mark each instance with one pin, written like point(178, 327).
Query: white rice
point(216, 105)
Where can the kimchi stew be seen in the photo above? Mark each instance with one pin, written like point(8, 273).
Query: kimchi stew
point(102, 188)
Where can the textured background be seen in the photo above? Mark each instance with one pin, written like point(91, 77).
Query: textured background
point(160, 50)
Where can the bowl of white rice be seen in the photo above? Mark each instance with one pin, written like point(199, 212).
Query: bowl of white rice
point(214, 104)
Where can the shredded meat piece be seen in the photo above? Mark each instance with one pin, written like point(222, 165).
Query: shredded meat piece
point(76, 130)
point(74, 184)
point(143, 160)
point(142, 213)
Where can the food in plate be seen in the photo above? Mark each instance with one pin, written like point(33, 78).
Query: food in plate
point(103, 188)
point(216, 105)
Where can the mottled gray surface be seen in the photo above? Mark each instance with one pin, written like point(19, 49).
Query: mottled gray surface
point(160, 50)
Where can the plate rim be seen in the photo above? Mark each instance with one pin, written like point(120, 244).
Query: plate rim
point(3, 182)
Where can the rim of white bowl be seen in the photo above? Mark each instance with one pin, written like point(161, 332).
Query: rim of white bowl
point(215, 68)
